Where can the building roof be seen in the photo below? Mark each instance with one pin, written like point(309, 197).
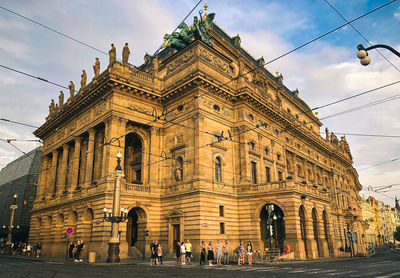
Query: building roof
point(20, 167)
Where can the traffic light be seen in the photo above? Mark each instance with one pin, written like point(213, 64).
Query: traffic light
point(146, 232)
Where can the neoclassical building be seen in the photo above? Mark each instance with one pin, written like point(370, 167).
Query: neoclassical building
point(213, 147)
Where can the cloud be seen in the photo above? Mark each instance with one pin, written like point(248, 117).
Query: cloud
point(396, 14)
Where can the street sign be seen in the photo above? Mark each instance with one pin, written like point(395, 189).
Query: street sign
point(69, 230)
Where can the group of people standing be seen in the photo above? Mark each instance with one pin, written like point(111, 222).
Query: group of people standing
point(155, 252)
point(25, 249)
point(183, 252)
point(75, 250)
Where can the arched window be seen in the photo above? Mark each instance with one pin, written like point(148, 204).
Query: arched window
point(179, 169)
point(218, 176)
point(133, 158)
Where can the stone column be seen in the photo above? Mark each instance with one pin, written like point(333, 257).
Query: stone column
point(52, 184)
point(42, 178)
point(322, 241)
point(115, 128)
point(90, 154)
point(62, 176)
point(76, 162)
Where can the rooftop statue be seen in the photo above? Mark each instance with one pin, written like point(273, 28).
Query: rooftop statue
point(61, 99)
point(96, 68)
point(83, 79)
point(125, 54)
point(71, 87)
point(198, 31)
point(113, 54)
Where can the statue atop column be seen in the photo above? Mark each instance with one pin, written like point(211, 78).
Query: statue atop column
point(113, 54)
point(71, 87)
point(96, 68)
point(61, 99)
point(125, 54)
point(83, 79)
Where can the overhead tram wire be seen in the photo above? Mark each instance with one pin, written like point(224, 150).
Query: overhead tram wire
point(60, 33)
point(18, 123)
point(380, 163)
point(8, 142)
point(297, 48)
point(358, 32)
point(366, 135)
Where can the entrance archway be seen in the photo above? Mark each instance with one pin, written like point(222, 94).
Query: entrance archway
point(136, 225)
point(272, 227)
point(303, 230)
point(315, 229)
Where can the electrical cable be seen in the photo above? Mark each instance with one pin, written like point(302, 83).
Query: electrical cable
point(380, 163)
point(19, 123)
point(366, 135)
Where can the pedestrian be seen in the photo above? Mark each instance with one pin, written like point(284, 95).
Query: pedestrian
point(79, 248)
point(159, 253)
point(71, 248)
point(249, 250)
point(24, 249)
point(188, 247)
point(152, 252)
point(155, 251)
point(38, 250)
point(202, 253)
point(28, 249)
point(243, 252)
point(219, 253)
point(238, 252)
point(226, 252)
point(210, 254)
point(183, 253)
point(177, 252)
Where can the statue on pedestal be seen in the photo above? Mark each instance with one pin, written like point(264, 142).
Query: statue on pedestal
point(61, 99)
point(96, 68)
point(83, 79)
point(113, 54)
point(125, 54)
point(71, 87)
point(326, 134)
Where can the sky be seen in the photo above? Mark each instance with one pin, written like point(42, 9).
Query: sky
point(324, 71)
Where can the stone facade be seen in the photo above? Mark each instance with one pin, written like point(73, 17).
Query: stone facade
point(206, 153)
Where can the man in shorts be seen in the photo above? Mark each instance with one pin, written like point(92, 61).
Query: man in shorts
point(188, 247)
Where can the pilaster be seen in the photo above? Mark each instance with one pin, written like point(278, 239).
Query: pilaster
point(76, 163)
point(90, 154)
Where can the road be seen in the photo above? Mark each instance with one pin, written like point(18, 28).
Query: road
point(384, 264)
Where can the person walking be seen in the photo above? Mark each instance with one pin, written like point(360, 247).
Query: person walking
point(183, 253)
point(79, 248)
point(156, 251)
point(177, 252)
point(219, 253)
point(38, 250)
point(249, 250)
point(152, 252)
point(71, 248)
point(226, 252)
point(202, 253)
point(210, 253)
point(188, 247)
point(159, 253)
point(29, 249)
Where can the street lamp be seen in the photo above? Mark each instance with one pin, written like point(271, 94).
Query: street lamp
point(116, 215)
point(275, 232)
point(13, 207)
point(362, 53)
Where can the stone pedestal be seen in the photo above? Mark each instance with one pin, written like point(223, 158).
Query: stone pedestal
point(113, 253)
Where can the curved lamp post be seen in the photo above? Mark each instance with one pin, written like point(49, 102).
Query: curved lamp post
point(362, 53)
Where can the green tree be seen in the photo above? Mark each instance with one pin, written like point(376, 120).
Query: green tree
point(396, 234)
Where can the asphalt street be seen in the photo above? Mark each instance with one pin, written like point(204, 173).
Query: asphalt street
point(383, 264)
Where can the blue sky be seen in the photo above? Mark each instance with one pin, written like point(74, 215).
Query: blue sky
point(324, 71)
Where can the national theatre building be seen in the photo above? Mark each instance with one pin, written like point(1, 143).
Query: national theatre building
point(214, 147)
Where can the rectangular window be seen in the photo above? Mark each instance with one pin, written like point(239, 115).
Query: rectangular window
point(221, 211)
point(268, 174)
point(222, 228)
point(280, 178)
point(253, 172)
